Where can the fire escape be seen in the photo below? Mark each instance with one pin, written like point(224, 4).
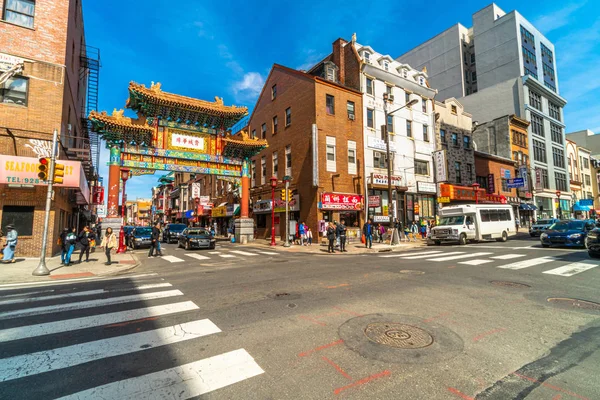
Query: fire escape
point(89, 73)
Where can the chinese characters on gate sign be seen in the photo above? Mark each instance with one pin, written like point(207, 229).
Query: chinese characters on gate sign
point(341, 201)
point(189, 142)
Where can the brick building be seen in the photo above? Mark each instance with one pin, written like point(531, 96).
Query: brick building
point(45, 74)
point(492, 173)
point(313, 126)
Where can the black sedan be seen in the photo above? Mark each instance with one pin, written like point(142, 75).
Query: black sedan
point(196, 238)
point(592, 242)
point(140, 236)
point(569, 233)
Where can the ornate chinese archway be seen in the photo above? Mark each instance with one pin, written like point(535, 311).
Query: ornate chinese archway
point(175, 133)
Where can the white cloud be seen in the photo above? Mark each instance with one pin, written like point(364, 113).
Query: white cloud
point(557, 19)
point(249, 87)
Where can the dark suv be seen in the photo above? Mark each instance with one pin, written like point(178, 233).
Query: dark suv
point(172, 232)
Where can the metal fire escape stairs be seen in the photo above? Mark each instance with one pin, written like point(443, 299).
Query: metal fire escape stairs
point(89, 74)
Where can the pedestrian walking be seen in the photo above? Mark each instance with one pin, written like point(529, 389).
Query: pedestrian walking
point(67, 245)
point(517, 224)
point(423, 229)
point(337, 235)
point(368, 232)
point(341, 233)
point(160, 232)
point(414, 229)
point(309, 236)
point(10, 245)
point(109, 242)
point(84, 239)
point(381, 232)
point(301, 233)
point(330, 237)
point(98, 231)
point(154, 246)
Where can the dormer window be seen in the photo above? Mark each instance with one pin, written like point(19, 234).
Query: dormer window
point(386, 65)
point(367, 57)
point(330, 74)
point(405, 73)
point(421, 81)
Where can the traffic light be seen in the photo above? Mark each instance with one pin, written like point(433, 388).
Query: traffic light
point(59, 173)
point(283, 195)
point(289, 195)
point(44, 168)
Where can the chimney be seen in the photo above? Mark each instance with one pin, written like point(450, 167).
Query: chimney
point(338, 59)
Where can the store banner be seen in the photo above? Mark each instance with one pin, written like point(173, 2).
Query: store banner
point(441, 165)
point(538, 179)
point(98, 195)
point(426, 187)
point(341, 201)
point(380, 179)
point(491, 184)
point(195, 190)
point(374, 201)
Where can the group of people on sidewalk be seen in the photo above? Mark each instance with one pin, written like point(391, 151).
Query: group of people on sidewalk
point(304, 235)
point(86, 241)
point(336, 233)
point(410, 231)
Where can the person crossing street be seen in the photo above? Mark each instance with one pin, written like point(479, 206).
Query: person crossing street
point(154, 246)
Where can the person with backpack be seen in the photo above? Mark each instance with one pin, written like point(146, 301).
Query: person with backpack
point(84, 239)
point(67, 244)
point(414, 229)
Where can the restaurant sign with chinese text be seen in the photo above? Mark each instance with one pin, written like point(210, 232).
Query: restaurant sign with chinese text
point(341, 201)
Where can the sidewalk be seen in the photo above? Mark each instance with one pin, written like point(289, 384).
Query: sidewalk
point(353, 248)
point(21, 270)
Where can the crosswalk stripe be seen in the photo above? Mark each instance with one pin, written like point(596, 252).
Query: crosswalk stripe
point(88, 304)
point(268, 253)
point(227, 256)
point(25, 285)
point(85, 293)
point(23, 332)
point(243, 253)
point(527, 263)
point(411, 254)
point(184, 382)
point(457, 257)
point(571, 269)
point(508, 256)
point(197, 256)
point(214, 252)
point(430, 255)
point(65, 357)
point(476, 262)
point(172, 259)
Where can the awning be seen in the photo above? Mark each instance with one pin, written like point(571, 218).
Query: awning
point(189, 214)
point(236, 213)
point(579, 207)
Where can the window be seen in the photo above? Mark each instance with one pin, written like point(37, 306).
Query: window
point(409, 128)
point(482, 180)
point(386, 65)
point(274, 124)
point(539, 151)
point(19, 12)
point(547, 53)
point(535, 100)
point(561, 181)
point(288, 116)
point(558, 156)
point(505, 185)
point(421, 167)
point(556, 133)
point(406, 97)
point(350, 109)
point(253, 174)
point(370, 86)
point(424, 105)
point(467, 76)
point(330, 104)
point(263, 167)
point(529, 72)
point(367, 57)
point(453, 109)
point(588, 180)
point(472, 58)
point(351, 157)
point(466, 142)
point(14, 91)
point(388, 90)
point(457, 171)
point(554, 111)
point(443, 136)
point(263, 131)
point(253, 133)
point(586, 163)
point(454, 139)
point(275, 164)
point(519, 138)
point(273, 92)
point(537, 124)
point(20, 217)
point(425, 134)
point(469, 172)
point(474, 76)
point(390, 124)
point(545, 180)
point(331, 161)
point(330, 74)
point(288, 160)
point(370, 118)
point(379, 160)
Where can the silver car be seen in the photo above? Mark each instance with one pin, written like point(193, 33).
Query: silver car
point(540, 226)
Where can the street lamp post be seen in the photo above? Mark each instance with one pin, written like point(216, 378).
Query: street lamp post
point(273, 186)
point(559, 208)
point(122, 248)
point(476, 189)
point(384, 129)
point(287, 180)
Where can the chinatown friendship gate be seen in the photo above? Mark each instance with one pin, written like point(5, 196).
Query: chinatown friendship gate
point(176, 133)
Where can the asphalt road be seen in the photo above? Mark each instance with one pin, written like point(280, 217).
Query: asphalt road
point(243, 322)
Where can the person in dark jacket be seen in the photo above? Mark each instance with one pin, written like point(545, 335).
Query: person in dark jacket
point(368, 232)
point(341, 233)
point(155, 237)
point(331, 237)
point(67, 245)
point(84, 238)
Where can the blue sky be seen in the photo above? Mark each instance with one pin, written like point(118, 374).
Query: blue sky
point(225, 48)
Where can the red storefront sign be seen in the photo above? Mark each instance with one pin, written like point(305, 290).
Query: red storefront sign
point(375, 201)
point(98, 195)
point(467, 193)
point(341, 201)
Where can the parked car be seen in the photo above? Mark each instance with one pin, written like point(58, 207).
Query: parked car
point(569, 233)
point(540, 226)
point(196, 238)
point(141, 236)
point(172, 232)
point(592, 242)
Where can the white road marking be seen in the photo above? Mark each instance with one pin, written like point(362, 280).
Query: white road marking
point(27, 293)
point(65, 357)
point(476, 262)
point(458, 257)
point(172, 259)
point(85, 293)
point(268, 253)
point(11, 286)
point(49, 328)
point(243, 253)
point(227, 256)
point(88, 304)
point(197, 256)
point(429, 255)
point(571, 269)
point(410, 254)
point(214, 252)
point(508, 256)
point(527, 263)
point(183, 382)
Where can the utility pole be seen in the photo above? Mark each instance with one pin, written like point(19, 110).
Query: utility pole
point(42, 270)
point(287, 211)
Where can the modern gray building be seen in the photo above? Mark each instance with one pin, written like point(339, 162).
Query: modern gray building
point(503, 65)
point(587, 139)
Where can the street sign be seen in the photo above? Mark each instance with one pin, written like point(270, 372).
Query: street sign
point(515, 183)
point(586, 202)
point(443, 199)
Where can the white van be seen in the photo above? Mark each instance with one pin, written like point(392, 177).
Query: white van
point(474, 222)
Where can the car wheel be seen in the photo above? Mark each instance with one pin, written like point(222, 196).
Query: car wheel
point(504, 237)
point(187, 245)
point(462, 239)
point(545, 245)
point(438, 242)
point(593, 254)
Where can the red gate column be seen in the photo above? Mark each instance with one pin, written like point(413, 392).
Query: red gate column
point(244, 226)
point(245, 189)
point(114, 176)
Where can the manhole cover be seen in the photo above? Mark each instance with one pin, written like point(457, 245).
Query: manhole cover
point(510, 284)
point(291, 305)
point(411, 272)
point(397, 335)
point(583, 304)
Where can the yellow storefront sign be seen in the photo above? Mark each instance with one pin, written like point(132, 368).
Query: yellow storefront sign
point(219, 211)
point(443, 199)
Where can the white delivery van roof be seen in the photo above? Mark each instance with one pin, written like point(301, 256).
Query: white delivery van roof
point(465, 209)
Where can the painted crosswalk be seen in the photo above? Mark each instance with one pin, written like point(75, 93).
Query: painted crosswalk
point(224, 254)
point(37, 340)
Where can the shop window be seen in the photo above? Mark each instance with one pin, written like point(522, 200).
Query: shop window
point(20, 217)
